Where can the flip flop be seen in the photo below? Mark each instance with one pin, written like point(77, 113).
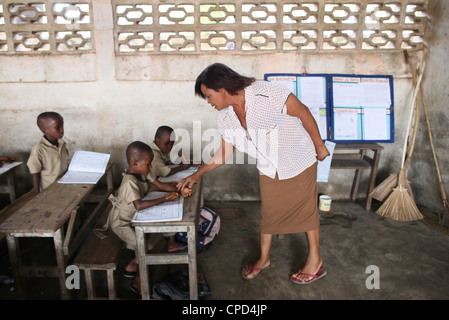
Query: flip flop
point(321, 273)
point(249, 268)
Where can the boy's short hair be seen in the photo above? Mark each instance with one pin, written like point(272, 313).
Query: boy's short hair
point(161, 130)
point(41, 119)
point(136, 150)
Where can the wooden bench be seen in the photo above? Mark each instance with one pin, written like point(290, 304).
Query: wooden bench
point(100, 254)
point(7, 211)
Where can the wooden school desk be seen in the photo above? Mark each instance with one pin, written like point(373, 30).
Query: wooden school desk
point(355, 156)
point(46, 215)
point(189, 224)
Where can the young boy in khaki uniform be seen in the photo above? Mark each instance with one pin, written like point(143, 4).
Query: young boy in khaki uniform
point(128, 198)
point(161, 146)
point(49, 159)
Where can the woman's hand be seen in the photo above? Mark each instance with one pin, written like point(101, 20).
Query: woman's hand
point(187, 182)
point(322, 152)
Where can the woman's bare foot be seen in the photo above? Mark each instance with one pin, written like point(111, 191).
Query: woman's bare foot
point(252, 270)
point(312, 266)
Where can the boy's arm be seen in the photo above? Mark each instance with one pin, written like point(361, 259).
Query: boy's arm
point(181, 167)
point(164, 186)
point(143, 204)
point(36, 182)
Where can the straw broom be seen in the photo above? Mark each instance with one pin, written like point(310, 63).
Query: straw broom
point(383, 190)
point(400, 205)
point(445, 221)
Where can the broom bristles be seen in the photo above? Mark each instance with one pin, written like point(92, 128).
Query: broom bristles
point(399, 205)
point(382, 191)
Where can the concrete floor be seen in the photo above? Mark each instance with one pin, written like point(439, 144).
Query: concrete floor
point(412, 259)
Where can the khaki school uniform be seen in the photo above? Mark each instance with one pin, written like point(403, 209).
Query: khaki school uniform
point(49, 160)
point(132, 188)
point(161, 162)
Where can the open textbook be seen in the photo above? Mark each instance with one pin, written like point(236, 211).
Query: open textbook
point(167, 211)
point(86, 167)
point(8, 166)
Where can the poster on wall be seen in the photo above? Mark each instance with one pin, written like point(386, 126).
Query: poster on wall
point(347, 108)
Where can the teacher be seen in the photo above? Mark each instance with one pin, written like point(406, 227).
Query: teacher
point(268, 122)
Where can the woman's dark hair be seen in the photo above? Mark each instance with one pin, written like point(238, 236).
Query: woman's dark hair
point(217, 76)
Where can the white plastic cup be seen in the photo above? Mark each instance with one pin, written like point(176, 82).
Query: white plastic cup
point(325, 203)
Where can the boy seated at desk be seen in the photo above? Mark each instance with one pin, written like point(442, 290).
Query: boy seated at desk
point(49, 159)
point(128, 198)
point(162, 145)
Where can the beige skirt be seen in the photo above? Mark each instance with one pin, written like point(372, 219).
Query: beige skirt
point(290, 205)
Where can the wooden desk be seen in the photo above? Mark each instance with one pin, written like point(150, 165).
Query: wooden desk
point(45, 216)
point(7, 170)
point(354, 156)
point(188, 224)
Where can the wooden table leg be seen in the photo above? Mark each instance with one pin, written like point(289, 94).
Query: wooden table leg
point(356, 181)
point(11, 185)
point(61, 262)
point(143, 268)
point(193, 279)
point(14, 257)
point(372, 179)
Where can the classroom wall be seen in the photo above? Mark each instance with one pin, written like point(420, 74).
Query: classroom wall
point(109, 101)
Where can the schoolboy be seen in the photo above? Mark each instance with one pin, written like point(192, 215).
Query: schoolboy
point(49, 159)
point(162, 146)
point(128, 199)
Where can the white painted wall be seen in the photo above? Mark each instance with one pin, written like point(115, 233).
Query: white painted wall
point(109, 101)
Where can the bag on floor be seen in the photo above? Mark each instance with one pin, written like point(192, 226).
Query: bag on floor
point(208, 228)
point(176, 287)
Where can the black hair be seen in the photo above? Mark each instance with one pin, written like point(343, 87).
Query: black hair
point(217, 76)
point(46, 115)
point(161, 130)
point(136, 149)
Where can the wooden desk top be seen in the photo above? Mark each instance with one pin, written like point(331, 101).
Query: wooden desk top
point(49, 210)
point(190, 209)
point(358, 146)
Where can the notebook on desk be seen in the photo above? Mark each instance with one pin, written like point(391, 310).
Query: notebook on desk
point(167, 211)
point(86, 167)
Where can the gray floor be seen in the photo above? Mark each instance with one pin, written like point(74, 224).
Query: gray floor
point(412, 260)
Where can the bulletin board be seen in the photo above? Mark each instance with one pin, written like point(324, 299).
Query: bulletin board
point(361, 108)
point(347, 108)
point(312, 90)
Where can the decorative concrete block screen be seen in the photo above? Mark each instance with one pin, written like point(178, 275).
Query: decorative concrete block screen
point(46, 26)
point(201, 26)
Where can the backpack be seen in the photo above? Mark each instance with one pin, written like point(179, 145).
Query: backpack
point(175, 286)
point(208, 228)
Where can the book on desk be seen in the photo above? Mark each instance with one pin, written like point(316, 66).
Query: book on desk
point(167, 211)
point(86, 167)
